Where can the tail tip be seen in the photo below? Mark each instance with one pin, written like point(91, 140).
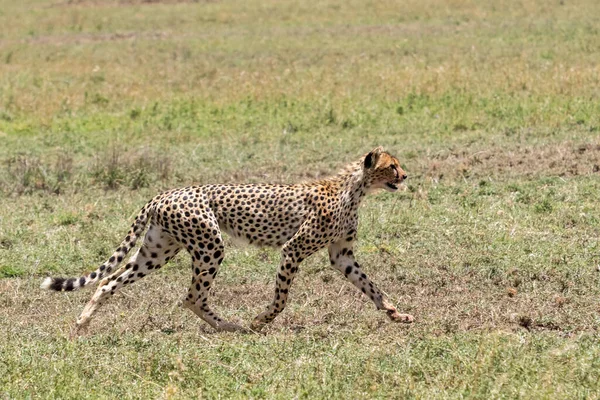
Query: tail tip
point(46, 283)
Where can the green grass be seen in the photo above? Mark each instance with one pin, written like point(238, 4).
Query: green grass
point(492, 107)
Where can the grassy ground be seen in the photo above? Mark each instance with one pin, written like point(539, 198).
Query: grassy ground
point(492, 107)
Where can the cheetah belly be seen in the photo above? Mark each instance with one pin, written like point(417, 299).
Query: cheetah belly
point(261, 228)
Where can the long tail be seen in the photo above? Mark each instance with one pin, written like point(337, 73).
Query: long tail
point(69, 284)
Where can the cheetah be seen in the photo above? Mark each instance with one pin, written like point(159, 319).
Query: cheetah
point(298, 218)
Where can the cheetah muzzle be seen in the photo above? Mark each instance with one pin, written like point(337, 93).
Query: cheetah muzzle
point(299, 218)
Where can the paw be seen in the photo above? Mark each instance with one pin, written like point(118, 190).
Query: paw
point(397, 317)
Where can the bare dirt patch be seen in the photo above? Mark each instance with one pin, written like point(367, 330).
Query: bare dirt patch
point(564, 159)
point(443, 303)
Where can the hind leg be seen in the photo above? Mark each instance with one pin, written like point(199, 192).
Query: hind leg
point(197, 297)
point(203, 241)
point(207, 255)
point(158, 248)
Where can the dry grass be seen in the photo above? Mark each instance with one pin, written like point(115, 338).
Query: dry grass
point(226, 52)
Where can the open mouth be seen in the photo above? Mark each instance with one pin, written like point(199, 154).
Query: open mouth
point(392, 186)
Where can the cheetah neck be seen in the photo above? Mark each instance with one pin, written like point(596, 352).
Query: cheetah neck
point(352, 182)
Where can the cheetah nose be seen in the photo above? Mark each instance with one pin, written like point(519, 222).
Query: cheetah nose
point(404, 177)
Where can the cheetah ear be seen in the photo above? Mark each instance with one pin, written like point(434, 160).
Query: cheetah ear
point(372, 158)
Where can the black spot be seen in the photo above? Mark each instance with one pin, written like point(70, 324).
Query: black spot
point(206, 259)
point(93, 275)
point(69, 284)
point(217, 254)
point(82, 281)
point(348, 270)
point(57, 284)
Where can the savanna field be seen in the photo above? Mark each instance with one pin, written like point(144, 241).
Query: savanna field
point(492, 107)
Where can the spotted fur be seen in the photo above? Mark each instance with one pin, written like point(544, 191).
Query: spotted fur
point(300, 219)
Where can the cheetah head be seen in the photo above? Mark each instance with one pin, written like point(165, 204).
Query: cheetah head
point(383, 170)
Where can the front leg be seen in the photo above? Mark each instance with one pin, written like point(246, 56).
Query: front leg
point(341, 256)
point(300, 246)
point(285, 276)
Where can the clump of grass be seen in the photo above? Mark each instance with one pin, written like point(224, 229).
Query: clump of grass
point(116, 169)
point(25, 174)
point(109, 170)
